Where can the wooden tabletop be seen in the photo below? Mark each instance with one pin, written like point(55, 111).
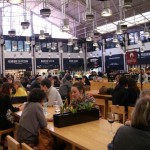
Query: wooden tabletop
point(93, 135)
point(95, 93)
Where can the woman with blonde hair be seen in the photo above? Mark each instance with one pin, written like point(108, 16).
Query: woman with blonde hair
point(20, 90)
point(136, 136)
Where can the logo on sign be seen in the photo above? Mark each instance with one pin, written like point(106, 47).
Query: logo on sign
point(131, 58)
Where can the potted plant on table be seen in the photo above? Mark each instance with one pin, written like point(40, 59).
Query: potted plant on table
point(83, 112)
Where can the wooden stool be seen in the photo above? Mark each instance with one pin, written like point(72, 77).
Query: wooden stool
point(12, 143)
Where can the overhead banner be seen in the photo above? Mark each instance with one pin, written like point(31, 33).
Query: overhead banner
point(73, 64)
point(131, 58)
point(24, 63)
point(44, 63)
point(115, 62)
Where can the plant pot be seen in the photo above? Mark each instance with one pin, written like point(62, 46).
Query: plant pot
point(68, 119)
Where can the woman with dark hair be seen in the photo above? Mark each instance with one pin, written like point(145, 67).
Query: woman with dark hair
point(85, 81)
point(6, 107)
point(136, 136)
point(132, 92)
point(32, 118)
point(79, 96)
point(56, 81)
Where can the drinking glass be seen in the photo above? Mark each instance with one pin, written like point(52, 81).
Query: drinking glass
point(57, 107)
point(45, 107)
point(111, 119)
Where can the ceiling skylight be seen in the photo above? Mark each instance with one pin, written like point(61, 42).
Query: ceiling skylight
point(131, 21)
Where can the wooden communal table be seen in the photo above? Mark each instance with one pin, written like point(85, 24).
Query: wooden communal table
point(93, 135)
point(99, 97)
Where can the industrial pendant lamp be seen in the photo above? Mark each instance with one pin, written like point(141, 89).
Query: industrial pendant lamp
point(25, 24)
point(41, 36)
point(89, 15)
point(119, 30)
point(15, 1)
point(115, 39)
point(106, 12)
point(146, 32)
point(45, 12)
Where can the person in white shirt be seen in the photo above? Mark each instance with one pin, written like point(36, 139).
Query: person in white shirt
point(52, 93)
point(144, 77)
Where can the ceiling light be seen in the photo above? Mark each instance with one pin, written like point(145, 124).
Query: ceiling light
point(95, 44)
point(41, 36)
point(12, 33)
point(45, 12)
point(119, 30)
point(25, 24)
point(46, 35)
point(88, 39)
point(14, 1)
point(96, 34)
point(117, 45)
point(97, 48)
point(115, 39)
point(70, 42)
point(146, 32)
point(76, 47)
point(65, 27)
point(89, 17)
point(27, 40)
point(127, 3)
point(53, 46)
point(106, 12)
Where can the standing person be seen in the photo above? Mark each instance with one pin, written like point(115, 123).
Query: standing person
point(51, 92)
point(144, 77)
point(136, 136)
point(32, 119)
point(5, 107)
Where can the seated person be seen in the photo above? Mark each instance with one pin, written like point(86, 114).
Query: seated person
point(32, 119)
point(144, 77)
point(79, 96)
point(5, 107)
point(85, 81)
point(136, 136)
point(20, 90)
point(51, 92)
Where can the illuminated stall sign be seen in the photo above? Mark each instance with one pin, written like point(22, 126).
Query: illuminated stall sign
point(24, 63)
point(94, 62)
point(73, 64)
point(43, 63)
point(145, 57)
point(115, 62)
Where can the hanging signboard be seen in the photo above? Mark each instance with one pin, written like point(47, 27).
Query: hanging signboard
point(131, 57)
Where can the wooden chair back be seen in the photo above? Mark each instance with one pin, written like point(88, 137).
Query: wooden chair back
point(6, 131)
point(101, 103)
point(109, 105)
point(120, 110)
point(24, 146)
point(16, 130)
point(130, 109)
point(12, 143)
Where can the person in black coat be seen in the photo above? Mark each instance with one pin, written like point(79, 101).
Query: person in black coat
point(136, 136)
point(119, 96)
point(5, 108)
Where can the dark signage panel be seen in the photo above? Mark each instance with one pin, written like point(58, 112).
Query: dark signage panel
point(145, 57)
point(24, 63)
point(73, 64)
point(115, 62)
point(44, 63)
point(94, 62)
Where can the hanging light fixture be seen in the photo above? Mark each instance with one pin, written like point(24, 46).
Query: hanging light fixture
point(45, 12)
point(15, 1)
point(27, 40)
point(25, 24)
point(41, 36)
point(12, 32)
point(53, 46)
point(89, 15)
point(119, 30)
point(81, 51)
point(76, 47)
point(127, 3)
point(97, 48)
point(70, 42)
point(115, 39)
point(106, 12)
point(146, 32)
